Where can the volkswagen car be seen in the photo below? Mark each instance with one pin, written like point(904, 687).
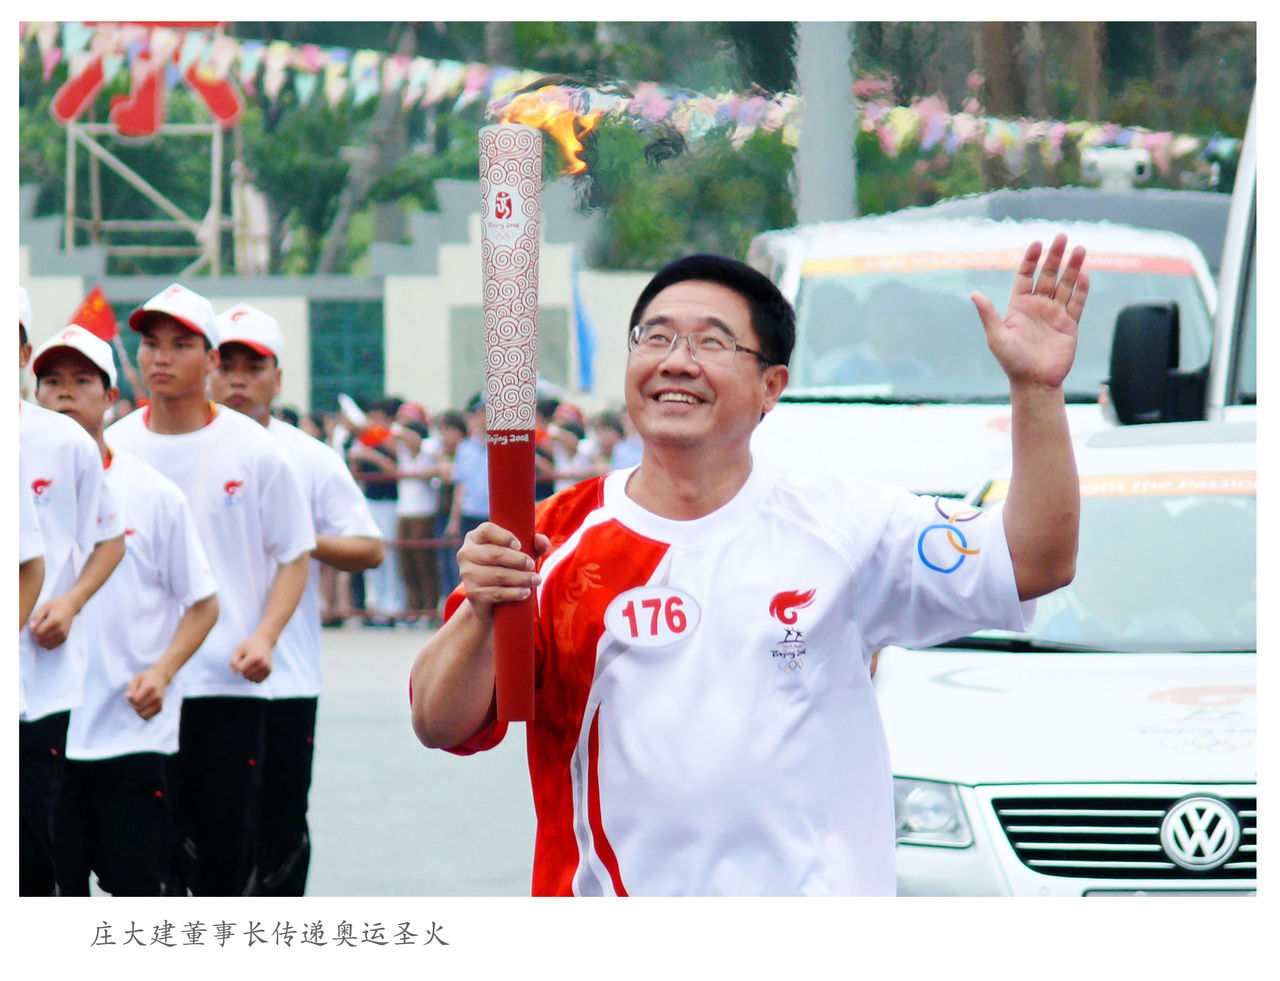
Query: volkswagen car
point(1108, 750)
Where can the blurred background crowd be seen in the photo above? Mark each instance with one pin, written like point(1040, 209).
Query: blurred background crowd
point(425, 477)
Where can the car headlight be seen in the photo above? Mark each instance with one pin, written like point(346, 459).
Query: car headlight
point(930, 813)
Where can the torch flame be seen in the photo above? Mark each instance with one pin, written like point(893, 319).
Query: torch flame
point(545, 109)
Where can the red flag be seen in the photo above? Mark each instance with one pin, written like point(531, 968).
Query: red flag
point(96, 316)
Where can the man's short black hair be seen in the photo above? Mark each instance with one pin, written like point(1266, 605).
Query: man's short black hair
point(772, 317)
point(253, 353)
point(610, 420)
point(453, 419)
point(547, 405)
point(575, 428)
point(389, 404)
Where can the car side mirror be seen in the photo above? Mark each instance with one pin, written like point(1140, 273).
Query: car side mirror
point(1145, 384)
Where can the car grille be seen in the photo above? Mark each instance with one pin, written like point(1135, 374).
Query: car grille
point(1112, 837)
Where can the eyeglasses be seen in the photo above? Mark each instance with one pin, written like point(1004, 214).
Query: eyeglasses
point(709, 346)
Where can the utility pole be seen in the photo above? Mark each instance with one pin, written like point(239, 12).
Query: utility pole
point(826, 185)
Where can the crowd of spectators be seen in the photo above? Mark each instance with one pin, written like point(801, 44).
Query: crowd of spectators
point(425, 477)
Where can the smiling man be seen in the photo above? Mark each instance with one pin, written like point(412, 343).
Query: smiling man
point(255, 527)
point(704, 718)
point(248, 379)
point(113, 815)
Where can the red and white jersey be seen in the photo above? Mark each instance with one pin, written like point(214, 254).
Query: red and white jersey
point(75, 510)
point(134, 614)
point(705, 722)
point(337, 507)
point(251, 517)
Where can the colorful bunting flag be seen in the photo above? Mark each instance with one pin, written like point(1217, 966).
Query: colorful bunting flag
point(98, 52)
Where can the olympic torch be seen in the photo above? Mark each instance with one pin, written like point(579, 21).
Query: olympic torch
point(510, 189)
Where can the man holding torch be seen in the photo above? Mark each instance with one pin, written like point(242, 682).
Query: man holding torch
point(704, 720)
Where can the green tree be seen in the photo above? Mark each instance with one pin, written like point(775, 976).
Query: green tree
point(713, 197)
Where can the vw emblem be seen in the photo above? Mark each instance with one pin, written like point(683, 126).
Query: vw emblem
point(1200, 833)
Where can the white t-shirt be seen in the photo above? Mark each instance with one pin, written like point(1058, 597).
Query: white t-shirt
point(337, 507)
point(576, 465)
point(705, 722)
point(75, 510)
point(30, 541)
point(135, 613)
point(417, 496)
point(251, 517)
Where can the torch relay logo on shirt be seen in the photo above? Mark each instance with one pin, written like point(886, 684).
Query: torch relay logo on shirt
point(789, 653)
point(232, 487)
point(38, 488)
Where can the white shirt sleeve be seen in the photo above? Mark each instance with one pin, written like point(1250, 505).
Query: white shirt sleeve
point(340, 506)
point(939, 570)
point(97, 519)
point(183, 565)
point(30, 540)
point(286, 518)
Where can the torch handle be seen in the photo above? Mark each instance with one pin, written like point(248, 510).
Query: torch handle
point(511, 461)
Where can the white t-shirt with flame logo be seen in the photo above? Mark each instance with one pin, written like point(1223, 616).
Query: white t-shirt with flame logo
point(251, 517)
point(63, 470)
point(135, 613)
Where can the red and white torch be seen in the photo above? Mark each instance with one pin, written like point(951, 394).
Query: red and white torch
point(511, 219)
point(510, 224)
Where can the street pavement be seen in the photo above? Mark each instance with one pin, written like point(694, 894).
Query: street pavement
point(390, 817)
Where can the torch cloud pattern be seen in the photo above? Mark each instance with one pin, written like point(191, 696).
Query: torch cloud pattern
point(510, 189)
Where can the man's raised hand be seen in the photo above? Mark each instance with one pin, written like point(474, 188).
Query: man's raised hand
point(1035, 341)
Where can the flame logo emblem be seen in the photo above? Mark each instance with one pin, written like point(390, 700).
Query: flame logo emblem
point(783, 606)
point(231, 486)
point(38, 486)
point(789, 653)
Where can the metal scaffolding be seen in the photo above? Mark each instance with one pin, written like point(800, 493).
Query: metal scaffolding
point(206, 231)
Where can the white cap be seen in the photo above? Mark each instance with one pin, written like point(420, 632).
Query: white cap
point(24, 308)
point(247, 325)
point(77, 338)
point(188, 308)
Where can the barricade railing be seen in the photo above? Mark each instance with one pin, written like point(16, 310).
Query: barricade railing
point(372, 612)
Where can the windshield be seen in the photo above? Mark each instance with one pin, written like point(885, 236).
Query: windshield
point(914, 334)
point(1160, 572)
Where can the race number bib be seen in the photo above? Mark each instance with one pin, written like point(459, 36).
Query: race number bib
point(652, 616)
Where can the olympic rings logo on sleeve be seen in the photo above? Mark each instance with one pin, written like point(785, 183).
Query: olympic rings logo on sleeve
point(954, 537)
